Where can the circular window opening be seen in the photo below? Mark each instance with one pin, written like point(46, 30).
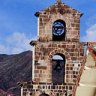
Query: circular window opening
point(58, 29)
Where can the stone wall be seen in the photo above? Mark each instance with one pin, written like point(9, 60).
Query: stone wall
point(46, 48)
point(73, 52)
point(52, 90)
point(53, 13)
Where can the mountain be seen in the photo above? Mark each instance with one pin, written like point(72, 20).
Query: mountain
point(13, 69)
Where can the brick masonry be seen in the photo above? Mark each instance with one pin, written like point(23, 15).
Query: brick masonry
point(73, 52)
point(46, 48)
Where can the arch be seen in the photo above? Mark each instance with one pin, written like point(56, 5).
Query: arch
point(66, 56)
point(44, 94)
point(58, 69)
point(59, 30)
point(59, 51)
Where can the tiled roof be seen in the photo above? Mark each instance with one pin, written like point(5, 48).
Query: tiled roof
point(92, 51)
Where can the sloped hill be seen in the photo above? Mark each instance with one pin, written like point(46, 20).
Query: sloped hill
point(14, 68)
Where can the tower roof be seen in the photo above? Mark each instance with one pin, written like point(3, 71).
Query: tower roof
point(58, 7)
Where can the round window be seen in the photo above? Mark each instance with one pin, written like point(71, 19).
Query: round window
point(58, 28)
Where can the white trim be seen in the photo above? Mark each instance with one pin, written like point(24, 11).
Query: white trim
point(33, 63)
point(22, 91)
point(38, 28)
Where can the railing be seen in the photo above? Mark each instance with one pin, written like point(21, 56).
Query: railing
point(50, 86)
point(61, 89)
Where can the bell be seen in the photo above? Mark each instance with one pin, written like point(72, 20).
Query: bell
point(58, 67)
point(43, 94)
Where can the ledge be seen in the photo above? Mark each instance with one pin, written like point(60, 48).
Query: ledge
point(87, 84)
point(89, 67)
point(33, 43)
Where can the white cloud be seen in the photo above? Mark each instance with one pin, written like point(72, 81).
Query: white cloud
point(90, 34)
point(3, 49)
point(16, 43)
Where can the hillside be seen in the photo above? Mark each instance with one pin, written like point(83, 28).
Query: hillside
point(14, 68)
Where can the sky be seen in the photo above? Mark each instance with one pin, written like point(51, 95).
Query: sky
point(18, 25)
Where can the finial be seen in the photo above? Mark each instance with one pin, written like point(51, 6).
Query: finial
point(58, 1)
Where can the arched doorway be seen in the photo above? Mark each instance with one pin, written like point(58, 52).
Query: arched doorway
point(58, 69)
point(43, 94)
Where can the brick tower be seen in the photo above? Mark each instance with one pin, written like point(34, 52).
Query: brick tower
point(58, 53)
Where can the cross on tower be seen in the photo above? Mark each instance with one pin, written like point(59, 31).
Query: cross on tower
point(58, 0)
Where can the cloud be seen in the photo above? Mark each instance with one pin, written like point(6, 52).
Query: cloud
point(16, 43)
point(90, 34)
point(3, 49)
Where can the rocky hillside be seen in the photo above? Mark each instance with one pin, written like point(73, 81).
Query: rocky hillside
point(14, 68)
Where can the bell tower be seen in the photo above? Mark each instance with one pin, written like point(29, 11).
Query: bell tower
point(59, 22)
point(58, 53)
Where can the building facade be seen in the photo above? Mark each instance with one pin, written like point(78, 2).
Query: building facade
point(58, 54)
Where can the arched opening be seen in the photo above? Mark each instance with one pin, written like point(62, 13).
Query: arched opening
point(58, 69)
point(43, 94)
point(59, 30)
